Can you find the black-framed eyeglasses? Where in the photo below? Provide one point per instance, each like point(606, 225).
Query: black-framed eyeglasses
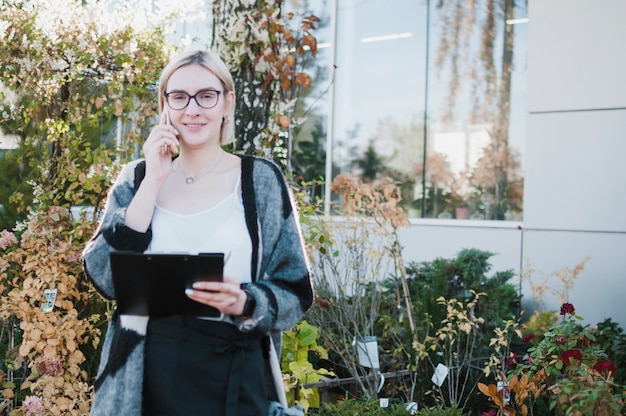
point(178, 100)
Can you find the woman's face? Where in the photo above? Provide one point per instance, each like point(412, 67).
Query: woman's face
point(196, 125)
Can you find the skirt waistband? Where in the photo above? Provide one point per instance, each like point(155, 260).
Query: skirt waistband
point(201, 331)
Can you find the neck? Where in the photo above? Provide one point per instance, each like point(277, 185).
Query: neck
point(197, 163)
point(202, 166)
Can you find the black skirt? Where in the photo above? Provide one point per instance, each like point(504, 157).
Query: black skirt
point(200, 367)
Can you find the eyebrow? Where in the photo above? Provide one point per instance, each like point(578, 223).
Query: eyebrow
point(197, 91)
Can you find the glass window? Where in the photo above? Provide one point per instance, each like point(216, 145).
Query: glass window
point(476, 111)
point(380, 89)
point(310, 142)
point(408, 70)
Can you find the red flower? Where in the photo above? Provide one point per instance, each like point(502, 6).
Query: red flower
point(560, 340)
point(604, 366)
point(567, 308)
point(567, 355)
point(511, 362)
point(529, 338)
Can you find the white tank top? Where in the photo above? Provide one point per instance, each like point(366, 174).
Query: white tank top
point(219, 229)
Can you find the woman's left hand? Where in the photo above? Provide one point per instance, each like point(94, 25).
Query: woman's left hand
point(227, 296)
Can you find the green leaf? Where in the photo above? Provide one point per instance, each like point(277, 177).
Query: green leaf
point(308, 335)
point(8, 385)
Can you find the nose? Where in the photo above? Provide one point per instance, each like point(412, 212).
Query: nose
point(193, 107)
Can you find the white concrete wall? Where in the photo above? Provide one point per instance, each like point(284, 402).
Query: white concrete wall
point(427, 240)
point(574, 202)
point(575, 161)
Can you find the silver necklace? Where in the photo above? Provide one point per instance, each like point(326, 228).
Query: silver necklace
point(189, 180)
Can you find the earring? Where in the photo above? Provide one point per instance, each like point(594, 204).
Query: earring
point(225, 119)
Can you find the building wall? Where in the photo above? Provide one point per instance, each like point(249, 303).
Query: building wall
point(575, 170)
point(575, 149)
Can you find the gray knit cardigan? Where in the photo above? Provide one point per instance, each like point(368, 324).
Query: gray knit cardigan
point(280, 284)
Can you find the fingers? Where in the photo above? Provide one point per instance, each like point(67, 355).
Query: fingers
point(225, 297)
point(160, 147)
point(218, 288)
point(165, 149)
point(163, 137)
point(162, 140)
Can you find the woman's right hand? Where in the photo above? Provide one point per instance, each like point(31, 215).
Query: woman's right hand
point(159, 147)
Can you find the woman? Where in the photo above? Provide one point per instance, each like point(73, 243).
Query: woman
point(203, 200)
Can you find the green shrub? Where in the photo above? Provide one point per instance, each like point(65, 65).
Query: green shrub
point(372, 408)
point(360, 407)
point(455, 279)
point(450, 279)
point(611, 338)
point(565, 368)
point(440, 411)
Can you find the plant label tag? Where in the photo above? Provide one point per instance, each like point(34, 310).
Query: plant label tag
point(441, 372)
point(50, 295)
point(412, 408)
point(367, 350)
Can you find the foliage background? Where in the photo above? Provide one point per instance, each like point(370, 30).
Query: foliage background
point(73, 83)
point(76, 76)
point(78, 84)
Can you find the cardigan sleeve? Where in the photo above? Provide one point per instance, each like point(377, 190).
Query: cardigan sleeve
point(112, 233)
point(283, 289)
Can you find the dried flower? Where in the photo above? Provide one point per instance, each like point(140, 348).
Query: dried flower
point(345, 184)
point(7, 238)
point(49, 366)
point(33, 406)
point(529, 338)
point(4, 264)
point(586, 341)
point(567, 308)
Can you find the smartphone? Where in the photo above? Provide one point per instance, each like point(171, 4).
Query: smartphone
point(168, 121)
point(167, 116)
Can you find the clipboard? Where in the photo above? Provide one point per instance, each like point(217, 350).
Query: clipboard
point(154, 284)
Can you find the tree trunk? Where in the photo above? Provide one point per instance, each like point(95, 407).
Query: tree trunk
point(254, 101)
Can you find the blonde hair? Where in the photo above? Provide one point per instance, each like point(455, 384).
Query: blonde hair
point(213, 63)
